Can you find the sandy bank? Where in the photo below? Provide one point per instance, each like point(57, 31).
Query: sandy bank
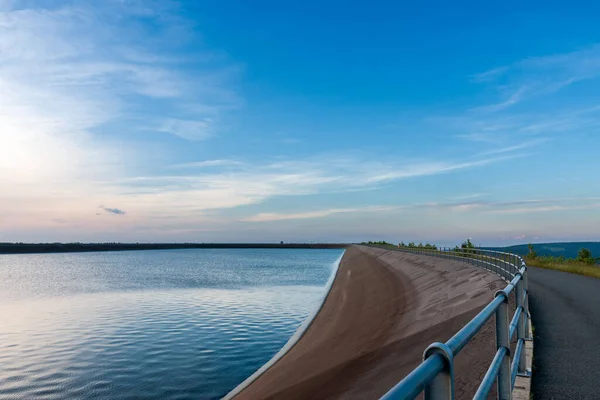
point(383, 309)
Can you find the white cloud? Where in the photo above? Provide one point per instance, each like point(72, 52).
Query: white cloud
point(265, 217)
point(190, 130)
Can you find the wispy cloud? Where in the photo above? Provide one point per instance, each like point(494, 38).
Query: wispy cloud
point(265, 217)
point(76, 79)
point(467, 196)
point(244, 184)
point(522, 206)
point(103, 102)
point(208, 163)
point(524, 210)
point(490, 207)
point(548, 208)
point(186, 129)
point(68, 70)
point(494, 134)
point(490, 75)
point(513, 98)
point(514, 148)
point(538, 76)
point(432, 168)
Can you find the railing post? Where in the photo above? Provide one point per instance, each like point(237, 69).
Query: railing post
point(503, 340)
point(496, 266)
point(522, 369)
point(528, 335)
point(513, 261)
point(442, 386)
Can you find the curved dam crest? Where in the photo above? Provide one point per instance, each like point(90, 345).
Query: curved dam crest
point(293, 340)
point(383, 309)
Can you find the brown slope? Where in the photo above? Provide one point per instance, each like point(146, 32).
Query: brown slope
point(383, 309)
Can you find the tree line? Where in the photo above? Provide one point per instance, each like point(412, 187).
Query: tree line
point(584, 256)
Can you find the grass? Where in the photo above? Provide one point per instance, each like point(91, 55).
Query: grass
point(572, 266)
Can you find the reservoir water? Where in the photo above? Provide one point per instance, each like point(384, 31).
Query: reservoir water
point(164, 324)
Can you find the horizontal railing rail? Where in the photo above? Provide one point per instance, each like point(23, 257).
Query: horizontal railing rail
point(435, 375)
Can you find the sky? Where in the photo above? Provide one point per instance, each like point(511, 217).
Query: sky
point(328, 121)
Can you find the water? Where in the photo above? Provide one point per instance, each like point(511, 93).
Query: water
point(165, 324)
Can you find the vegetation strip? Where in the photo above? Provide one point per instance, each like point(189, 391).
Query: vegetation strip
point(584, 264)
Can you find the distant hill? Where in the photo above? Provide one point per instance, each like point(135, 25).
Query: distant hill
point(567, 249)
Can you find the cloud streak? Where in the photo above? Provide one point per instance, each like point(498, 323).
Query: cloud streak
point(208, 163)
point(268, 217)
point(489, 207)
point(537, 76)
point(245, 184)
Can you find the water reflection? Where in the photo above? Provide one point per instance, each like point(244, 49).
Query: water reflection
point(160, 342)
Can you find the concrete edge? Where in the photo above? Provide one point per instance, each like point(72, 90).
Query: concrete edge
point(293, 340)
point(522, 390)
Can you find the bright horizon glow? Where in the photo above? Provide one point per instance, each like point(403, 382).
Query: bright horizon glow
point(164, 121)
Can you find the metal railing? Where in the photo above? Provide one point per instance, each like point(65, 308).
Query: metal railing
point(435, 375)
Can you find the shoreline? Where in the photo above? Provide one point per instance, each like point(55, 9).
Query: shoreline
point(383, 309)
point(41, 248)
point(293, 340)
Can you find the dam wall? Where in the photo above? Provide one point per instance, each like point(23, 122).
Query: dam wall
point(383, 309)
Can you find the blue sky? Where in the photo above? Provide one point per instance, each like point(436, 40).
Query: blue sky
point(299, 121)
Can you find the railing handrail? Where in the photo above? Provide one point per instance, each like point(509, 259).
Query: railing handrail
point(435, 375)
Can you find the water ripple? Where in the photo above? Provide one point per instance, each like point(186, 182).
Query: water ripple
point(154, 342)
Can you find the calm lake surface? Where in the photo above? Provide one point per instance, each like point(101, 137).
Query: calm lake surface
point(164, 324)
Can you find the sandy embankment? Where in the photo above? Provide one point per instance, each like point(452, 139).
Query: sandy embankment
point(384, 308)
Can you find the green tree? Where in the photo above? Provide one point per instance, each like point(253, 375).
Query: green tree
point(585, 256)
point(467, 245)
point(532, 253)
